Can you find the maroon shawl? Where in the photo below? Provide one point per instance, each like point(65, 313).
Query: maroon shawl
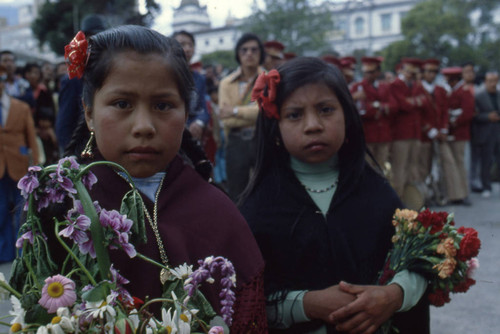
point(195, 220)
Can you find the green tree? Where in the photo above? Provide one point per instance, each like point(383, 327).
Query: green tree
point(223, 57)
point(454, 31)
point(58, 21)
point(301, 27)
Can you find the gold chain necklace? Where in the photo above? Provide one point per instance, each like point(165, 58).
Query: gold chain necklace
point(165, 272)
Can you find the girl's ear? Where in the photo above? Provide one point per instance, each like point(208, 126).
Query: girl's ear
point(88, 116)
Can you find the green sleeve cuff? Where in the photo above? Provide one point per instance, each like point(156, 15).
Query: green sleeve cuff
point(413, 286)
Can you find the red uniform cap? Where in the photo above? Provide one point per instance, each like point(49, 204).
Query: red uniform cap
point(432, 61)
point(196, 66)
point(348, 62)
point(412, 61)
point(331, 59)
point(371, 60)
point(274, 49)
point(456, 70)
point(289, 55)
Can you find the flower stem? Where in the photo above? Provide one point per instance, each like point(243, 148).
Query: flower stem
point(75, 258)
point(147, 259)
point(103, 261)
point(108, 163)
point(7, 287)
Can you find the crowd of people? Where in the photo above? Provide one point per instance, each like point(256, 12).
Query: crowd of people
point(315, 160)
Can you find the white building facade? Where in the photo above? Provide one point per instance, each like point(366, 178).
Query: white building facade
point(368, 25)
point(18, 37)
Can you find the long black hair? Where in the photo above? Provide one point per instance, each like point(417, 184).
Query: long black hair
point(293, 75)
point(104, 46)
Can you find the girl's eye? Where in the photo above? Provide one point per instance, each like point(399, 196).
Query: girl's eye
point(122, 104)
point(293, 115)
point(163, 106)
point(327, 110)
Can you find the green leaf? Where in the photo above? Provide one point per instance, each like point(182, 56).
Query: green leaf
point(18, 276)
point(198, 301)
point(132, 206)
point(29, 300)
point(100, 292)
point(37, 314)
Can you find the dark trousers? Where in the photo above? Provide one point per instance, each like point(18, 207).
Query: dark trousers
point(240, 159)
point(10, 212)
point(486, 151)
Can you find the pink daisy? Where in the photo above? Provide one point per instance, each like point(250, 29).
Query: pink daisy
point(58, 291)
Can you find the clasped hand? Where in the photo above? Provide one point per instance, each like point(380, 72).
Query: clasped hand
point(354, 308)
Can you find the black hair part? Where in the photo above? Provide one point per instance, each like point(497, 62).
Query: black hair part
point(295, 74)
point(246, 38)
point(185, 33)
point(104, 46)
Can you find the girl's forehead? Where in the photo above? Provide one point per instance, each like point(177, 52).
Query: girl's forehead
point(311, 90)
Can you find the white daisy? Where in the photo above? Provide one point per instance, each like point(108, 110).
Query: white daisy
point(182, 272)
point(102, 308)
point(18, 313)
point(168, 321)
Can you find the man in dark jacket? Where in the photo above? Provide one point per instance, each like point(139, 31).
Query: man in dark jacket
point(487, 127)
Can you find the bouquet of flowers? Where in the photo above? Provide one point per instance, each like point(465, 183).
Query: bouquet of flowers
point(429, 244)
point(85, 293)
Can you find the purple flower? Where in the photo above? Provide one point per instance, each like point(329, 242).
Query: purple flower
point(28, 183)
point(26, 236)
point(55, 193)
point(87, 247)
point(204, 273)
point(89, 180)
point(58, 291)
point(120, 281)
point(120, 225)
point(72, 163)
point(76, 229)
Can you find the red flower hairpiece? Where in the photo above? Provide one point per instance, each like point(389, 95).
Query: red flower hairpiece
point(76, 56)
point(264, 92)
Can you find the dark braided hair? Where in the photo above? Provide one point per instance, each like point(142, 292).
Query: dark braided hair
point(103, 47)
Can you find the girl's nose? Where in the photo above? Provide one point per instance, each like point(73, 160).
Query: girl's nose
point(312, 121)
point(143, 122)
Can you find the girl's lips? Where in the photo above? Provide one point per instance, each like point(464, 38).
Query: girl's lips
point(143, 149)
point(143, 153)
point(315, 146)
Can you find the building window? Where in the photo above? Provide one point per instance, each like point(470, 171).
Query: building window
point(402, 15)
point(207, 42)
point(386, 20)
point(221, 40)
point(359, 26)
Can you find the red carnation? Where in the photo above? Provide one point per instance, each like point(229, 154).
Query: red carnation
point(469, 245)
point(435, 220)
point(439, 298)
point(464, 285)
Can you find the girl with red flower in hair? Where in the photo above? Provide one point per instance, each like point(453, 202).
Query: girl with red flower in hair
point(137, 91)
point(320, 214)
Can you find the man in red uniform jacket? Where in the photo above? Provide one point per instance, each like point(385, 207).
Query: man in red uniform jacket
point(434, 118)
point(406, 126)
point(461, 111)
point(376, 106)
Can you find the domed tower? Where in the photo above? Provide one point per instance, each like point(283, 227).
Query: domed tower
point(190, 16)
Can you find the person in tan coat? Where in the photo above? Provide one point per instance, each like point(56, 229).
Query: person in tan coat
point(18, 148)
point(239, 114)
